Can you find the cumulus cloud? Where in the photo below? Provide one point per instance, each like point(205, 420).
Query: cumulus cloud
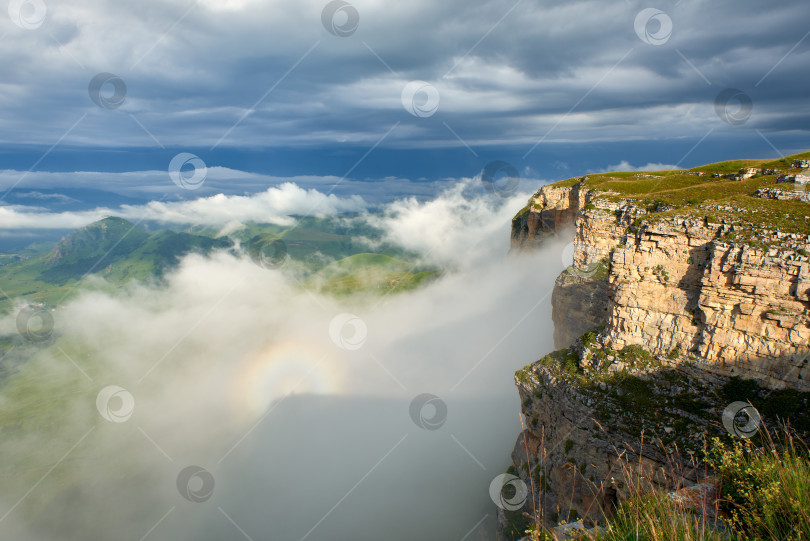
point(452, 229)
point(235, 369)
point(275, 205)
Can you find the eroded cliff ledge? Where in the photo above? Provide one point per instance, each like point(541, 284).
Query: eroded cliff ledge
point(689, 290)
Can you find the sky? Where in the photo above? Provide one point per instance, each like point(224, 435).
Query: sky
point(423, 92)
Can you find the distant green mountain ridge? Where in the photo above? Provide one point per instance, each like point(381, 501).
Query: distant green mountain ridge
point(112, 247)
point(331, 253)
point(121, 250)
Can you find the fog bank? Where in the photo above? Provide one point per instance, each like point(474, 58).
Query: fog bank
point(305, 416)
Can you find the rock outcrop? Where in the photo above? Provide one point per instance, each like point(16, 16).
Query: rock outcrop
point(550, 210)
point(660, 316)
point(678, 282)
point(579, 304)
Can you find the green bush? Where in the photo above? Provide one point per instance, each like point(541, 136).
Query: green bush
point(517, 523)
point(740, 389)
point(765, 496)
point(568, 445)
point(766, 491)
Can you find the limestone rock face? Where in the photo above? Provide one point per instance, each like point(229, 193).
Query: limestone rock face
point(742, 310)
point(699, 304)
point(549, 211)
point(678, 283)
point(589, 444)
point(578, 304)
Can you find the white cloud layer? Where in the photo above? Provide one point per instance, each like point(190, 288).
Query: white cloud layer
point(452, 229)
point(227, 196)
point(232, 368)
point(275, 205)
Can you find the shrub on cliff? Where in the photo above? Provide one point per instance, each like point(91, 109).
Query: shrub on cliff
point(764, 495)
point(766, 491)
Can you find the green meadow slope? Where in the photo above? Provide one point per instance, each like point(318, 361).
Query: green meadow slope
point(707, 192)
point(331, 256)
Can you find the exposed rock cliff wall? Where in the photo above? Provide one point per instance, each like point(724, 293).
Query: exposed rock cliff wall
point(550, 211)
point(677, 283)
point(583, 450)
point(655, 320)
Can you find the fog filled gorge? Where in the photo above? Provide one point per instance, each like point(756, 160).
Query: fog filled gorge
point(305, 415)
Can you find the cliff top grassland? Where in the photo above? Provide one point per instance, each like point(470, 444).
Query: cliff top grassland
point(711, 192)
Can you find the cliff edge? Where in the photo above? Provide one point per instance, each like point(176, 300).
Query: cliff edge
point(689, 290)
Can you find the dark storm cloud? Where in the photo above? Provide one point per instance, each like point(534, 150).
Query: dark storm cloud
point(507, 73)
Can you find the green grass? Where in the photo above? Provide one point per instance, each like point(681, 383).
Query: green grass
point(360, 262)
point(730, 166)
point(369, 273)
point(765, 496)
point(654, 517)
point(112, 248)
point(23, 280)
point(48, 408)
point(785, 162)
point(39, 397)
point(677, 193)
point(765, 483)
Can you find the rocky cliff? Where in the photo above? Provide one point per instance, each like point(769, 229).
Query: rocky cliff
point(688, 290)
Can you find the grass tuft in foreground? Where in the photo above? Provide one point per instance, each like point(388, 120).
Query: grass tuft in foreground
point(764, 495)
point(655, 517)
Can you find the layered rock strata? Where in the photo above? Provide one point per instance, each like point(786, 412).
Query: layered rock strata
point(678, 283)
point(659, 317)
